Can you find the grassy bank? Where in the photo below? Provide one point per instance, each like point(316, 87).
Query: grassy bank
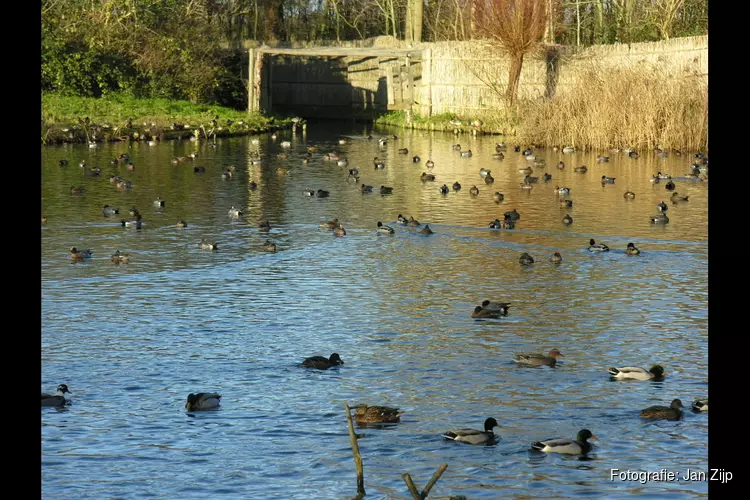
point(63, 119)
point(492, 123)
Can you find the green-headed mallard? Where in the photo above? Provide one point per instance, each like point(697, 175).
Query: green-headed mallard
point(556, 258)
point(321, 363)
point(579, 446)
point(500, 307)
point(562, 191)
point(416, 159)
point(137, 223)
point(600, 247)
point(632, 250)
point(659, 218)
point(444, 189)
point(700, 405)
point(671, 412)
point(662, 207)
point(365, 414)
point(58, 398)
point(202, 401)
point(383, 229)
point(109, 211)
point(402, 220)
point(473, 436)
point(533, 359)
point(636, 373)
point(386, 190)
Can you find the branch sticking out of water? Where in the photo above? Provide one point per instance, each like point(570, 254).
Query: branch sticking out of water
point(413, 489)
point(357, 457)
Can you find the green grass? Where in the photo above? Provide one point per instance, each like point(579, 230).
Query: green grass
point(497, 122)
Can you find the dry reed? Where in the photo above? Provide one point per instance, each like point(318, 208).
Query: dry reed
point(639, 106)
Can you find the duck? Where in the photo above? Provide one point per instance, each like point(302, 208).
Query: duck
point(662, 207)
point(58, 398)
point(466, 154)
point(634, 155)
point(632, 250)
point(547, 177)
point(109, 211)
point(365, 188)
point(527, 152)
point(663, 176)
point(354, 172)
point(269, 246)
point(496, 224)
point(556, 258)
point(579, 446)
point(202, 401)
point(473, 436)
point(500, 146)
point(498, 196)
point(484, 172)
point(501, 307)
point(206, 245)
point(526, 259)
point(386, 190)
point(137, 223)
point(403, 151)
point(474, 191)
point(199, 170)
point(331, 224)
point(676, 198)
point(629, 195)
point(562, 191)
point(636, 373)
point(309, 192)
point(567, 220)
point(365, 414)
point(607, 180)
point(402, 220)
point(568, 149)
point(594, 247)
point(654, 180)
point(133, 211)
point(416, 159)
point(93, 172)
point(538, 359)
point(44, 220)
point(130, 166)
point(671, 412)
point(158, 202)
point(429, 164)
point(426, 230)
point(456, 147)
point(252, 185)
point(481, 312)
point(383, 142)
point(182, 224)
point(561, 165)
point(602, 159)
point(76, 190)
point(456, 186)
point(512, 215)
point(63, 163)
point(526, 170)
point(264, 227)
point(425, 177)
point(343, 162)
point(498, 156)
point(669, 186)
point(412, 222)
point(314, 148)
point(120, 258)
point(444, 189)
point(320, 193)
point(660, 218)
point(530, 180)
point(700, 405)
point(227, 175)
point(488, 179)
point(80, 254)
point(235, 213)
point(122, 184)
point(581, 170)
point(114, 179)
point(383, 229)
point(321, 363)
point(339, 231)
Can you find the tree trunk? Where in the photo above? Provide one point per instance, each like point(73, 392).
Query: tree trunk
point(514, 76)
point(409, 28)
point(417, 20)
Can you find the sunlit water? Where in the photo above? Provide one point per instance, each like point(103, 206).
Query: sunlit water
point(131, 341)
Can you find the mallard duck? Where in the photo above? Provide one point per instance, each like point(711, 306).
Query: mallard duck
point(594, 247)
point(660, 218)
point(562, 191)
point(114, 179)
point(512, 215)
point(663, 176)
point(671, 412)
point(199, 170)
point(206, 245)
point(580, 446)
point(527, 152)
point(202, 401)
point(235, 213)
point(365, 414)
point(416, 159)
point(607, 180)
point(354, 172)
point(182, 223)
point(122, 185)
point(63, 163)
point(473, 436)
point(530, 180)
point(634, 155)
point(501, 307)
point(403, 151)
point(426, 230)
point(632, 250)
point(158, 202)
point(333, 156)
point(539, 359)
point(109, 211)
point(425, 177)
point(547, 177)
point(130, 166)
point(581, 170)
point(526, 170)
point(76, 190)
point(252, 185)
point(320, 193)
point(567, 220)
point(635, 373)
point(498, 197)
point(677, 198)
point(700, 405)
point(669, 186)
point(629, 195)
point(56, 399)
point(496, 224)
point(137, 223)
point(321, 363)
point(456, 186)
point(602, 159)
point(456, 147)
point(488, 179)
point(386, 190)
point(466, 154)
point(133, 211)
point(314, 148)
point(82, 164)
point(120, 258)
point(402, 220)
point(498, 156)
point(93, 172)
point(556, 258)
point(561, 165)
point(500, 146)
point(80, 254)
point(444, 189)
point(412, 222)
point(568, 149)
point(662, 207)
point(269, 246)
point(429, 164)
point(339, 231)
point(383, 229)
point(484, 172)
point(264, 227)
point(343, 162)
point(309, 192)
point(480, 312)
point(331, 224)
point(526, 259)
point(365, 188)
point(474, 191)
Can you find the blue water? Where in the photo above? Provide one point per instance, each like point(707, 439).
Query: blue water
point(132, 340)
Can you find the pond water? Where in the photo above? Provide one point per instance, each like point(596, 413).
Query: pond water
point(132, 340)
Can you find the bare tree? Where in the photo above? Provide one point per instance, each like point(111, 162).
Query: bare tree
point(666, 12)
point(518, 25)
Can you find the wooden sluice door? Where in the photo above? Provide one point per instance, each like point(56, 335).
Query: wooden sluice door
point(400, 86)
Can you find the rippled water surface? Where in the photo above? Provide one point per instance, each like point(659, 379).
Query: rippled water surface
point(131, 341)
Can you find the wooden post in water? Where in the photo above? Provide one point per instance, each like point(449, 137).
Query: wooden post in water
point(413, 489)
point(357, 457)
point(251, 81)
point(427, 80)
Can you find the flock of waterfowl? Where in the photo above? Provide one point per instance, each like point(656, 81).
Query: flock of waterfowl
point(486, 310)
